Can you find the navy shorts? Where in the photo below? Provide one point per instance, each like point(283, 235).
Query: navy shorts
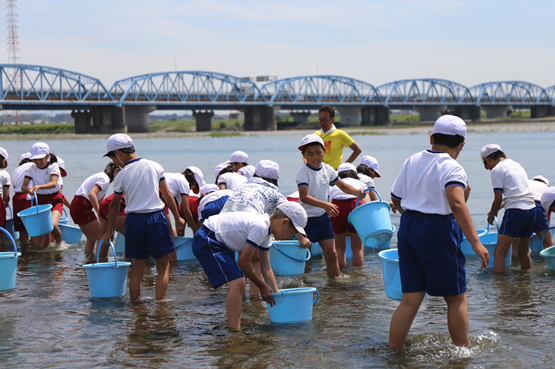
point(430, 256)
point(213, 208)
point(319, 228)
point(541, 224)
point(147, 234)
point(518, 223)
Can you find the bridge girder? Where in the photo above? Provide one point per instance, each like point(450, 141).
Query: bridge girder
point(429, 91)
point(509, 92)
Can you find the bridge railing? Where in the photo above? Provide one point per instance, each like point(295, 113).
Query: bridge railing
point(510, 92)
point(425, 91)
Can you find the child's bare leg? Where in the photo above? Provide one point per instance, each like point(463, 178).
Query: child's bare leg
point(457, 318)
point(45, 240)
point(340, 248)
point(503, 244)
point(403, 317)
point(56, 233)
point(233, 302)
point(356, 246)
point(547, 240)
point(255, 262)
point(328, 249)
point(93, 233)
point(120, 224)
point(136, 281)
point(515, 249)
point(163, 277)
point(524, 253)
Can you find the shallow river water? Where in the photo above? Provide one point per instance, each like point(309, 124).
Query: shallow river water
point(49, 320)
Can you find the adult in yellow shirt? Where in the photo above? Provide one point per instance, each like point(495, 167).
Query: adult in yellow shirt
point(335, 139)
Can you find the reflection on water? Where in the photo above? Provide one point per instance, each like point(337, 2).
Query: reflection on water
point(50, 319)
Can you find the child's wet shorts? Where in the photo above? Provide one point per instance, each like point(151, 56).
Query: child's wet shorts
point(430, 256)
point(319, 228)
point(20, 203)
point(147, 234)
point(54, 199)
point(81, 211)
point(541, 224)
point(518, 223)
point(340, 223)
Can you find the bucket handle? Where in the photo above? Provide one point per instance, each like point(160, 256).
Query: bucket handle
point(11, 239)
point(544, 233)
point(496, 225)
point(11, 212)
point(317, 297)
point(292, 258)
point(36, 201)
point(65, 212)
point(370, 189)
point(113, 251)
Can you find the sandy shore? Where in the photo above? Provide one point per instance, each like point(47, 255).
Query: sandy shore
point(536, 125)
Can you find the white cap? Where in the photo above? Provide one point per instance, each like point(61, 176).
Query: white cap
point(267, 169)
point(199, 177)
point(296, 213)
point(117, 142)
point(62, 165)
point(4, 153)
point(489, 149)
point(371, 163)
point(450, 125)
point(308, 139)
point(345, 167)
point(219, 168)
point(27, 155)
point(548, 197)
point(207, 188)
point(39, 150)
point(541, 179)
point(239, 157)
point(247, 171)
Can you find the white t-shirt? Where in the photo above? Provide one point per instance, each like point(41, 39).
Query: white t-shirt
point(100, 180)
point(178, 186)
point(19, 176)
point(337, 194)
point(4, 179)
point(207, 199)
point(367, 180)
point(511, 179)
point(232, 180)
point(237, 229)
point(140, 180)
point(421, 184)
point(318, 181)
point(537, 188)
point(44, 176)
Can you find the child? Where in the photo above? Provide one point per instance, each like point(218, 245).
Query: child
point(62, 165)
point(429, 193)
point(215, 244)
point(238, 161)
point(103, 211)
point(368, 170)
point(228, 179)
point(212, 201)
point(20, 201)
point(180, 190)
point(146, 227)
point(548, 201)
point(313, 181)
point(511, 188)
point(196, 180)
point(45, 178)
point(87, 197)
point(5, 184)
point(345, 204)
point(538, 185)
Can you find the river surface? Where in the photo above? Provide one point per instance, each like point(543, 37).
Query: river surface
point(49, 320)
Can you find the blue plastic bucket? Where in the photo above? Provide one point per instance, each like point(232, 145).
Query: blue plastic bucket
point(184, 248)
point(549, 256)
point(489, 240)
point(63, 220)
point(536, 244)
point(372, 222)
point(37, 219)
point(383, 245)
point(293, 305)
point(466, 247)
point(107, 280)
point(315, 249)
point(120, 244)
point(391, 274)
point(288, 258)
point(9, 226)
point(70, 233)
point(8, 265)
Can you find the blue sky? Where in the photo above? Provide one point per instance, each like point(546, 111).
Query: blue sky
point(469, 42)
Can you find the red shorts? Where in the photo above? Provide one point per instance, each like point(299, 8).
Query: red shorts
point(54, 199)
point(105, 204)
point(20, 203)
point(81, 211)
point(193, 206)
point(340, 223)
point(295, 199)
point(2, 213)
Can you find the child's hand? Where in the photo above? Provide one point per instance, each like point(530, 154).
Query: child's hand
point(303, 241)
point(482, 253)
point(266, 294)
point(393, 208)
point(361, 195)
point(491, 217)
point(35, 189)
point(179, 223)
point(331, 209)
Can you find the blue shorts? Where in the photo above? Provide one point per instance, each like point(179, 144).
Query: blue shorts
point(147, 234)
point(430, 256)
point(518, 223)
point(213, 208)
point(319, 228)
point(217, 260)
point(541, 224)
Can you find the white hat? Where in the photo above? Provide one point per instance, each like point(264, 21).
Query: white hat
point(296, 213)
point(207, 188)
point(541, 179)
point(27, 155)
point(371, 163)
point(4, 153)
point(62, 165)
point(345, 167)
point(548, 197)
point(199, 177)
point(117, 142)
point(247, 171)
point(450, 125)
point(219, 168)
point(39, 150)
point(311, 138)
point(489, 149)
point(239, 157)
point(267, 169)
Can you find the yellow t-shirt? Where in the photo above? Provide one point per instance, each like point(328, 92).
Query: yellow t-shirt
point(334, 142)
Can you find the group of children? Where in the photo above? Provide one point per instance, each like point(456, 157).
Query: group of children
point(243, 210)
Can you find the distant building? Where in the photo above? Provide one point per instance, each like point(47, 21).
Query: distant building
point(236, 115)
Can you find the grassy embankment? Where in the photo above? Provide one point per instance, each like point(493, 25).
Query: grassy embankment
point(220, 127)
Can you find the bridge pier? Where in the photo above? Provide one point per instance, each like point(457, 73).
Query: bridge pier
point(137, 118)
point(83, 121)
point(375, 116)
point(100, 119)
point(473, 113)
point(430, 113)
point(259, 118)
point(497, 111)
point(300, 116)
point(542, 111)
point(350, 115)
point(203, 120)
